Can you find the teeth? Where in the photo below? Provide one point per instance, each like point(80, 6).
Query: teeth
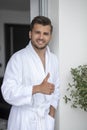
point(40, 41)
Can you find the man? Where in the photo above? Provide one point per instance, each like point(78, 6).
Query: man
point(31, 81)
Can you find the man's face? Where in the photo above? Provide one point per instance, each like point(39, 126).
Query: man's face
point(40, 36)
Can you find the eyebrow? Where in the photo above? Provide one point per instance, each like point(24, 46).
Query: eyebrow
point(46, 33)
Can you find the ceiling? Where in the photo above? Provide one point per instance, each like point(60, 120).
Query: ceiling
point(15, 5)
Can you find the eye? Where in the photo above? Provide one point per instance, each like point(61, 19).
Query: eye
point(46, 33)
point(37, 32)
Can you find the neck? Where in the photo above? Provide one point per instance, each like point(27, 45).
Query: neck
point(41, 54)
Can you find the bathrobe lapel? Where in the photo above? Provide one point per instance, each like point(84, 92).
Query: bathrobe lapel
point(37, 64)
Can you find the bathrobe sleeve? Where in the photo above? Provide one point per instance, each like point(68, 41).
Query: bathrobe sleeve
point(56, 94)
point(13, 90)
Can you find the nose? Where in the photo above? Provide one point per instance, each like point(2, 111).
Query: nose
point(41, 36)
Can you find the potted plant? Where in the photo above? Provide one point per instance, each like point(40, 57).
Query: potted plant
point(77, 90)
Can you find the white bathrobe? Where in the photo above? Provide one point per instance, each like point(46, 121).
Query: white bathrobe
point(23, 71)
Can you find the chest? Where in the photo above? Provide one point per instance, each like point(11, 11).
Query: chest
point(33, 71)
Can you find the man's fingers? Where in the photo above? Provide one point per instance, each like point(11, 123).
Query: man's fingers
point(47, 77)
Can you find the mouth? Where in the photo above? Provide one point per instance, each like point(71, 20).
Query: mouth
point(40, 42)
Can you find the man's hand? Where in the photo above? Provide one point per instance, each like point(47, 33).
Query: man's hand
point(52, 111)
point(45, 87)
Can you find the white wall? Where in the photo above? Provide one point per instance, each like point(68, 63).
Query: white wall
point(72, 52)
point(9, 17)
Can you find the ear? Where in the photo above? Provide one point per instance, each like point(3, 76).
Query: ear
point(30, 34)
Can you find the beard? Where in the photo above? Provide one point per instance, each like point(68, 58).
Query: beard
point(39, 47)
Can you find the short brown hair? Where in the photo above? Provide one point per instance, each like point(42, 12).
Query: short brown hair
point(41, 20)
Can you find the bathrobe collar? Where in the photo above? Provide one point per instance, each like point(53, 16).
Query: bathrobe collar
point(38, 60)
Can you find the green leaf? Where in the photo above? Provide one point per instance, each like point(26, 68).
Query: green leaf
point(77, 89)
